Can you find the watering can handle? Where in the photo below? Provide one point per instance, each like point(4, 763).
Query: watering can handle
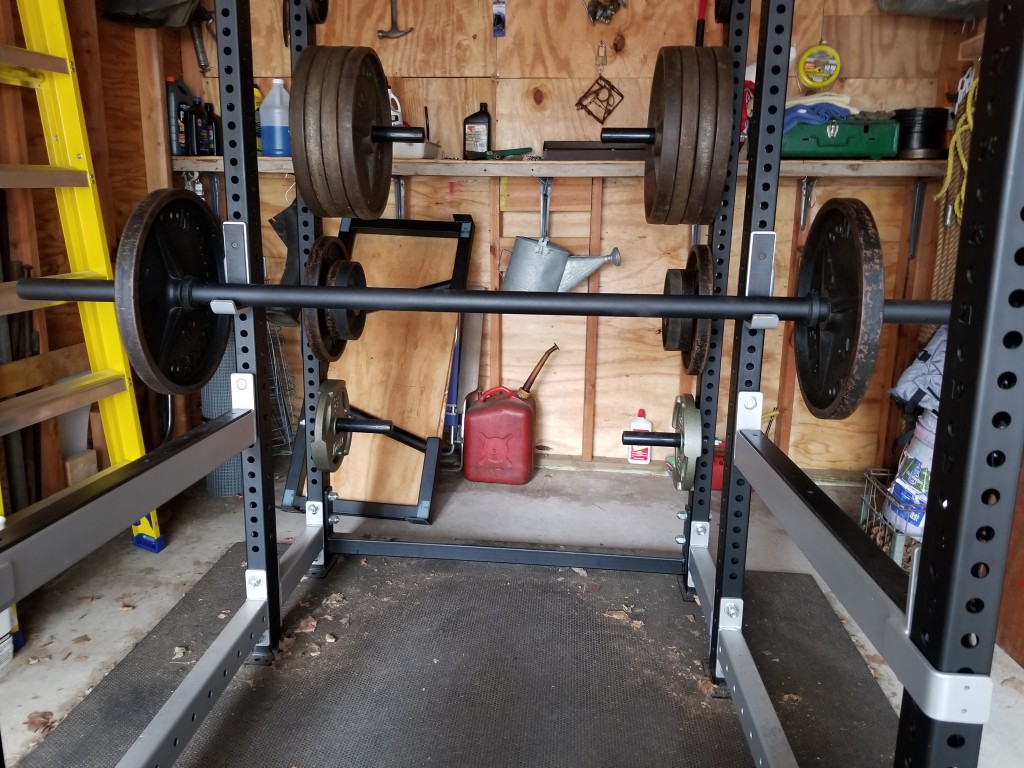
point(495, 390)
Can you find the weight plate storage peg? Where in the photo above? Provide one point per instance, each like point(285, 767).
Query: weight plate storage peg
point(842, 264)
point(170, 239)
point(686, 422)
point(330, 445)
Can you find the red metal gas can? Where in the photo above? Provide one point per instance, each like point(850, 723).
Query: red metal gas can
point(498, 442)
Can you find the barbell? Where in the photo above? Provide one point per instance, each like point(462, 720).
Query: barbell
point(173, 305)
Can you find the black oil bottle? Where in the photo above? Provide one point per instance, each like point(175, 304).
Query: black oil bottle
point(476, 134)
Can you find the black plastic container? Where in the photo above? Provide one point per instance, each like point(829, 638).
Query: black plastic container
point(922, 132)
point(476, 135)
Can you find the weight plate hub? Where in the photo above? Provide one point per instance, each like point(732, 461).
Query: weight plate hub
point(691, 114)
point(339, 94)
point(686, 422)
point(170, 238)
point(329, 445)
point(842, 264)
point(327, 330)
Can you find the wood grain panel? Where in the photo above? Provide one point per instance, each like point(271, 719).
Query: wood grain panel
point(532, 111)
point(558, 390)
point(1010, 635)
point(567, 224)
point(868, 45)
point(875, 94)
point(520, 194)
point(449, 101)
point(397, 370)
point(450, 38)
point(546, 39)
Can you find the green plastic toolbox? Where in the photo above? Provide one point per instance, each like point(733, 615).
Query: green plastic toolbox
point(872, 139)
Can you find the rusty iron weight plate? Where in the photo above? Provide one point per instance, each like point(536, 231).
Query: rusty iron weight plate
point(324, 344)
point(674, 330)
point(663, 117)
point(688, 135)
point(842, 264)
point(363, 104)
point(706, 129)
point(723, 9)
point(319, 164)
point(304, 127)
point(171, 236)
point(330, 141)
point(723, 136)
point(700, 267)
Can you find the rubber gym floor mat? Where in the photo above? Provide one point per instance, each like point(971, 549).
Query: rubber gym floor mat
point(398, 662)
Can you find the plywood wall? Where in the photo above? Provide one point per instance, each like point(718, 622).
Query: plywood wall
point(531, 79)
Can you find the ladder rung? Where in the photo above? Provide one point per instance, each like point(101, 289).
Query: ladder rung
point(25, 410)
point(41, 177)
point(22, 67)
point(10, 304)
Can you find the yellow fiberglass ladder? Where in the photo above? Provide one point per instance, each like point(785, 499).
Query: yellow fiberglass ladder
point(46, 64)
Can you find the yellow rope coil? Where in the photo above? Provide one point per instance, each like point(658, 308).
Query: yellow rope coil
point(958, 146)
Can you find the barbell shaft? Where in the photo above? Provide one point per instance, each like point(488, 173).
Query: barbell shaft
point(803, 310)
point(364, 426)
point(653, 439)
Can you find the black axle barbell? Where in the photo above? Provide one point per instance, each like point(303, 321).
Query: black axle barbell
point(811, 309)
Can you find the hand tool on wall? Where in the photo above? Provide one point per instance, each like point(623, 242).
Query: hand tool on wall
point(195, 28)
point(394, 31)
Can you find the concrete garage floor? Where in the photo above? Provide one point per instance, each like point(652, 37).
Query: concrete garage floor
point(80, 625)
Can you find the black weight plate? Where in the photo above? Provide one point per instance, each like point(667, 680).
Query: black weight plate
point(842, 264)
point(700, 267)
point(316, 11)
point(322, 165)
point(688, 134)
point(330, 142)
point(346, 324)
point(706, 130)
point(723, 136)
point(663, 116)
point(172, 236)
point(324, 344)
point(362, 104)
point(723, 9)
point(304, 128)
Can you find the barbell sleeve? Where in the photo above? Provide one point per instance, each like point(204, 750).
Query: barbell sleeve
point(380, 133)
point(652, 439)
point(627, 136)
point(798, 309)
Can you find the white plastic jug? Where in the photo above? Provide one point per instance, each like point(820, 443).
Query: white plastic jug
point(639, 454)
point(905, 510)
point(274, 122)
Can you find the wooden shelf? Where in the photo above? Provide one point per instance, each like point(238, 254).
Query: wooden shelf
point(604, 168)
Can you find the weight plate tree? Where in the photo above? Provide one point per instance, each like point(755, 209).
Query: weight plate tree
point(170, 237)
point(842, 263)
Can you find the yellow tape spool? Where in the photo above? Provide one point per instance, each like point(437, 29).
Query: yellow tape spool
point(818, 67)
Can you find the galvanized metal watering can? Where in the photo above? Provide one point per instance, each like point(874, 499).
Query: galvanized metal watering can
point(540, 265)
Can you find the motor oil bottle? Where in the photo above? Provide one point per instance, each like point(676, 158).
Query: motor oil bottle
point(257, 97)
point(178, 101)
point(195, 125)
point(499, 427)
point(476, 131)
point(213, 130)
point(274, 122)
point(639, 454)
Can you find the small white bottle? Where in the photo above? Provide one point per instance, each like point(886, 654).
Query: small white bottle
point(273, 113)
point(639, 454)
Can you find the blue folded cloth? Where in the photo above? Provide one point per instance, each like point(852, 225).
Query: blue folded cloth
point(814, 114)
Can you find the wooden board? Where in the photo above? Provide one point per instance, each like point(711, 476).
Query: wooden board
point(866, 45)
point(398, 370)
point(546, 39)
point(1010, 636)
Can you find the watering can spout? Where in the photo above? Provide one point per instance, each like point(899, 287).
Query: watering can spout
point(579, 268)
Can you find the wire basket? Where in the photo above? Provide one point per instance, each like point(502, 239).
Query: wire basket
point(896, 544)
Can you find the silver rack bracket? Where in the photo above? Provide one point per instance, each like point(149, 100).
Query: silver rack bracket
point(236, 252)
point(949, 697)
point(748, 415)
point(243, 392)
point(255, 584)
point(223, 307)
